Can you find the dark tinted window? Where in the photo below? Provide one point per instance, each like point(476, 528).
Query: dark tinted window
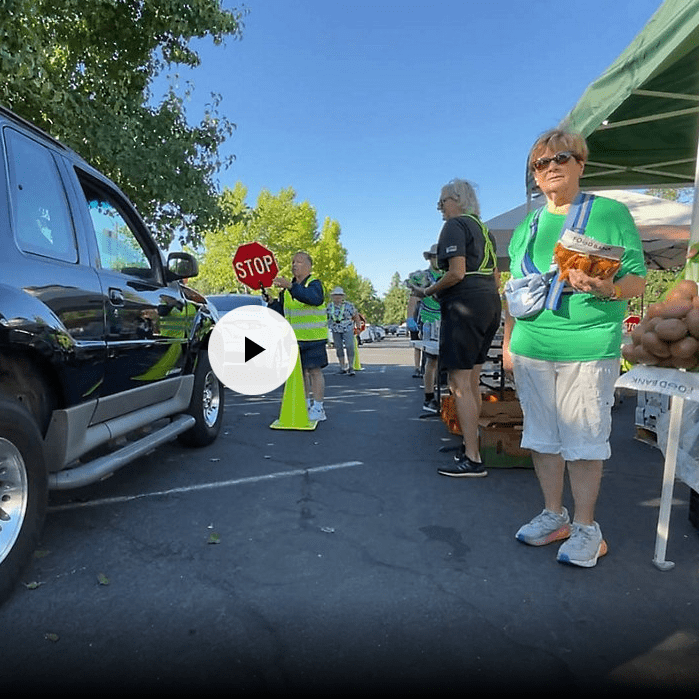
point(41, 219)
point(119, 247)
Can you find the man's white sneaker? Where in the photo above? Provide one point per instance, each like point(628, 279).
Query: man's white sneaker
point(317, 413)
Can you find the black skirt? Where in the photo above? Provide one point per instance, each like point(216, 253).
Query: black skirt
point(469, 323)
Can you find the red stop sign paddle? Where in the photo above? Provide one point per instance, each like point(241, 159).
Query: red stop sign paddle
point(630, 322)
point(255, 266)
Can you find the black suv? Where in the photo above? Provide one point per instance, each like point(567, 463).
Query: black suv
point(103, 349)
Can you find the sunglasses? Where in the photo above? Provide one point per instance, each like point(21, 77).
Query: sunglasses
point(560, 159)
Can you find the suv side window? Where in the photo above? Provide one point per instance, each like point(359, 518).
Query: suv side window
point(119, 248)
point(42, 222)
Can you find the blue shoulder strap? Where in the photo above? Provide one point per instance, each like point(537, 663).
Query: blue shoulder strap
point(576, 220)
point(528, 266)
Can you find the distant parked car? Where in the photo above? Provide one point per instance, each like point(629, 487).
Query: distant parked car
point(372, 333)
point(227, 302)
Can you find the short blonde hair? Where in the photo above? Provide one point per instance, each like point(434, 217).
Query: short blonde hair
point(558, 140)
point(464, 194)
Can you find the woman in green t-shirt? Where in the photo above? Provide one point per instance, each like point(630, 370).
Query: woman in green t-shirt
point(565, 361)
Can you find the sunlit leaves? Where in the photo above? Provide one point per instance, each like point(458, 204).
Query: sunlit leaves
point(285, 226)
point(84, 72)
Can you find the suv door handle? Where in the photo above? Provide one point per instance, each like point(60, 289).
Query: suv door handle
point(116, 297)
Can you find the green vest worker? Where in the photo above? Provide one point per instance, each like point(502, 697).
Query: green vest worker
point(302, 304)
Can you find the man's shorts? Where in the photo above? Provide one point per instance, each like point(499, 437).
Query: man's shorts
point(567, 406)
point(313, 354)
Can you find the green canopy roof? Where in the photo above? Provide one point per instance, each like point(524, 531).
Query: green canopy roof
point(641, 116)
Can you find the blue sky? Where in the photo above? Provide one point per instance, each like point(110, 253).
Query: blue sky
point(367, 108)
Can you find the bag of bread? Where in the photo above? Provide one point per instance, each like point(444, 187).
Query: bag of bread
point(577, 251)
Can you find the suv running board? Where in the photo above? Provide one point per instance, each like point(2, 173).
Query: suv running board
point(106, 465)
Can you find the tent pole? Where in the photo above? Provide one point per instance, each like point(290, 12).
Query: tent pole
point(673, 438)
point(692, 270)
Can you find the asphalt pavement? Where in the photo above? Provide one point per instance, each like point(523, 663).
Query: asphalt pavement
point(279, 561)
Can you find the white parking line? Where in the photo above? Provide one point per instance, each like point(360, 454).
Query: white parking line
point(204, 486)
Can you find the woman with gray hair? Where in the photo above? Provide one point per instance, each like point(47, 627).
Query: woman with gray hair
point(470, 309)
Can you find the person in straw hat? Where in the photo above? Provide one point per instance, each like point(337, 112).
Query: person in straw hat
point(342, 318)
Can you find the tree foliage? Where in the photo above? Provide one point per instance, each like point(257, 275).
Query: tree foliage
point(285, 226)
point(396, 302)
point(683, 195)
point(84, 72)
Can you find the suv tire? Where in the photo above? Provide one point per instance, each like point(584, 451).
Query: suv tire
point(206, 405)
point(23, 491)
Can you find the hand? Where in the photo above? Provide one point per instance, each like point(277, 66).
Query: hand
point(507, 361)
point(601, 288)
point(411, 324)
point(417, 291)
point(281, 282)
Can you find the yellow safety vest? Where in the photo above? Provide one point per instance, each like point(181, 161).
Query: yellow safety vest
point(308, 322)
point(490, 259)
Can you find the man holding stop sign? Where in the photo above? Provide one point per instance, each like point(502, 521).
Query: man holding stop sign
point(302, 303)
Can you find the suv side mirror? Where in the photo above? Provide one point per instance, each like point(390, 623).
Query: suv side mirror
point(181, 265)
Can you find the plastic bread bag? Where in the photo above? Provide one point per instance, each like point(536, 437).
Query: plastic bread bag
point(596, 259)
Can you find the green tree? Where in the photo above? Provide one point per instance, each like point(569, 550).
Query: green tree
point(277, 222)
point(658, 283)
point(84, 72)
point(330, 263)
point(360, 291)
point(684, 195)
point(395, 302)
point(330, 259)
point(215, 268)
point(284, 226)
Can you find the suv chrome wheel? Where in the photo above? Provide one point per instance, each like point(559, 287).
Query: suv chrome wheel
point(13, 495)
point(206, 405)
point(23, 491)
point(211, 399)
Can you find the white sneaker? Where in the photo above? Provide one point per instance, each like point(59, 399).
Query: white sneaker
point(545, 528)
point(584, 547)
point(316, 413)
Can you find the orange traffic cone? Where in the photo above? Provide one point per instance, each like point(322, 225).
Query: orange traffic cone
point(294, 413)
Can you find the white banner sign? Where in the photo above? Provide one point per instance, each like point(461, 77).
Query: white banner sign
point(671, 382)
point(682, 384)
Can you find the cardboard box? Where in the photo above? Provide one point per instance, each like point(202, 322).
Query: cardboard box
point(509, 406)
point(500, 446)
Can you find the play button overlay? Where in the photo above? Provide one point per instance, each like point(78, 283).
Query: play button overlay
point(253, 350)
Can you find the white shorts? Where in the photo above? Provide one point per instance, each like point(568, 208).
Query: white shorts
point(567, 406)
